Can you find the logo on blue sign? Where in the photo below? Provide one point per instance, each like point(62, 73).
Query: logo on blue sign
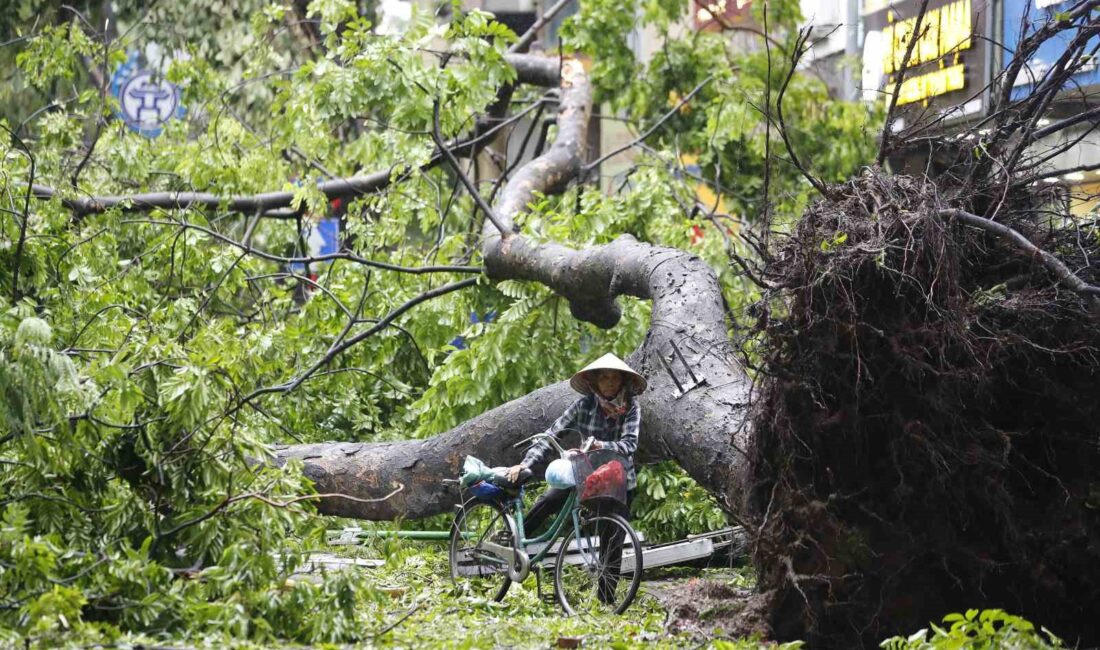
point(146, 100)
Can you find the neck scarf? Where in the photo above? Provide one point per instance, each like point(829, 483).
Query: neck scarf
point(613, 407)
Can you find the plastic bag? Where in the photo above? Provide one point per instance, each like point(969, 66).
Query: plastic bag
point(486, 491)
point(473, 470)
point(608, 480)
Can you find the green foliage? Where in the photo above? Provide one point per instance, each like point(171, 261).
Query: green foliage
point(987, 629)
point(723, 125)
point(670, 505)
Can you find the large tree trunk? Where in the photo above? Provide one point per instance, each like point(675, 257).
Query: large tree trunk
point(705, 430)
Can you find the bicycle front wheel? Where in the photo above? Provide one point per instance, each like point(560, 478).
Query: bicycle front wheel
point(599, 566)
point(479, 533)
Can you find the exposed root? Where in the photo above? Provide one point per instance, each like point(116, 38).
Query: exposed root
point(928, 432)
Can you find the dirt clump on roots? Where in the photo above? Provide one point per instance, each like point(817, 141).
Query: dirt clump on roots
point(711, 607)
point(928, 420)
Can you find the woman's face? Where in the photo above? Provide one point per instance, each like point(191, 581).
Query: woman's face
point(609, 382)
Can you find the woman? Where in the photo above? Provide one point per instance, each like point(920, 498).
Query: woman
point(607, 412)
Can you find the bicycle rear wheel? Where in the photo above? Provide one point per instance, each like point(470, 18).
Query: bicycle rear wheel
point(479, 531)
point(591, 577)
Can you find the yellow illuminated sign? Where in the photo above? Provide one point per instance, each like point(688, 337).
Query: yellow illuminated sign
point(944, 32)
point(930, 84)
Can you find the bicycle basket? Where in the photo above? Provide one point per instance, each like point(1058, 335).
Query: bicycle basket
point(601, 476)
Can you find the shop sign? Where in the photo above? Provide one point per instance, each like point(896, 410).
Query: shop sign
point(1031, 15)
point(946, 65)
point(944, 34)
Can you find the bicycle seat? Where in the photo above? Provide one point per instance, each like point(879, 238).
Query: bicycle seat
point(501, 481)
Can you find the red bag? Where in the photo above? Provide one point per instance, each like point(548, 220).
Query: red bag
point(607, 480)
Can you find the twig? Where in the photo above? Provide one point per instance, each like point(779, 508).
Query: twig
point(380, 325)
point(1089, 115)
point(415, 608)
point(312, 259)
point(230, 500)
point(648, 132)
point(466, 182)
point(308, 497)
point(18, 260)
point(533, 30)
point(1056, 172)
point(728, 27)
point(914, 36)
point(102, 101)
point(800, 42)
point(766, 189)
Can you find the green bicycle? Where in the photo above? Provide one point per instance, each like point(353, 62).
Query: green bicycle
point(598, 559)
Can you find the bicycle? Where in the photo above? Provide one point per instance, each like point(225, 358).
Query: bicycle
point(489, 550)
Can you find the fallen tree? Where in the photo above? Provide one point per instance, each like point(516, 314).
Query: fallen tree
point(704, 431)
point(919, 441)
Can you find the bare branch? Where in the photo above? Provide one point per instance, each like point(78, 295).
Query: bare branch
point(1055, 265)
point(1084, 116)
point(313, 259)
point(18, 260)
point(651, 130)
point(333, 352)
point(311, 497)
point(799, 45)
point(466, 182)
point(533, 31)
point(913, 38)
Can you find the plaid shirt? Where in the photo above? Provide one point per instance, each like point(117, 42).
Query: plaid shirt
point(619, 434)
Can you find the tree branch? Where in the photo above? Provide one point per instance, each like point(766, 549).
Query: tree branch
point(530, 70)
point(533, 31)
point(800, 42)
point(1053, 264)
point(466, 182)
point(883, 146)
point(333, 352)
point(312, 259)
point(651, 130)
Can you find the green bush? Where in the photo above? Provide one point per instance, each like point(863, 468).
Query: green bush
point(977, 630)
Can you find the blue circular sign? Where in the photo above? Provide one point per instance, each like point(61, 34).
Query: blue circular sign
point(146, 100)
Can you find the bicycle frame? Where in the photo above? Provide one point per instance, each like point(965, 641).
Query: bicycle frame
point(568, 511)
point(513, 508)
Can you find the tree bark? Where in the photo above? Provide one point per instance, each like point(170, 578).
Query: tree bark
point(705, 430)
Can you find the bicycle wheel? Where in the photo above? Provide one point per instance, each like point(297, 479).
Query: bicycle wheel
point(480, 528)
point(592, 579)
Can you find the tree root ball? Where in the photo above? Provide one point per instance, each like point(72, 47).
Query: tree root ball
point(928, 421)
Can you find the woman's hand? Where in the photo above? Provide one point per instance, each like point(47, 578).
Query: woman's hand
point(513, 472)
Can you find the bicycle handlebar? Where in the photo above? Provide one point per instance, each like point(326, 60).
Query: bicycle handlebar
point(586, 444)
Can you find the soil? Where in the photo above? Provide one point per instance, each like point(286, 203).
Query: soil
point(719, 605)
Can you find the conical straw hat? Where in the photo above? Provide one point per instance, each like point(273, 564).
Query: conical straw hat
point(608, 362)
